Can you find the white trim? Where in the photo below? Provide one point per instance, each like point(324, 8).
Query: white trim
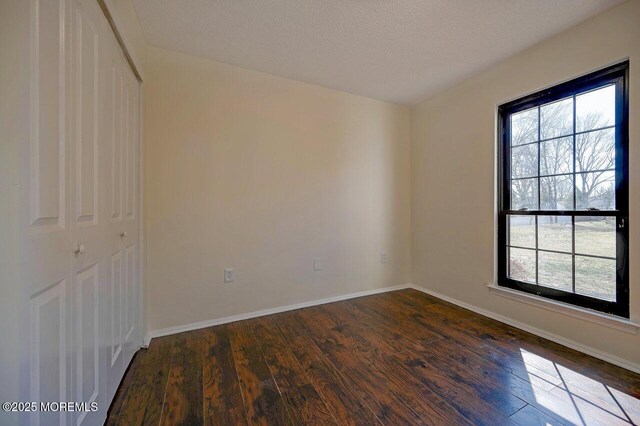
point(142, 259)
point(629, 365)
point(613, 359)
point(121, 35)
point(233, 318)
point(611, 321)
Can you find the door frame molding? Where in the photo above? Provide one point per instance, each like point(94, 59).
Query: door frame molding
point(142, 258)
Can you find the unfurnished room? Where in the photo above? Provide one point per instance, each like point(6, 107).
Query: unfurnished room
point(328, 212)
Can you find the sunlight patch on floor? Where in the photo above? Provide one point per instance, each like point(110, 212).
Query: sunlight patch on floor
point(576, 398)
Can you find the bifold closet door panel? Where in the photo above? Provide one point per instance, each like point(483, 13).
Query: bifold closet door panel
point(131, 219)
point(89, 33)
point(117, 117)
point(46, 241)
point(122, 221)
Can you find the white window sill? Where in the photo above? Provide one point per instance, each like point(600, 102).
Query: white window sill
point(611, 321)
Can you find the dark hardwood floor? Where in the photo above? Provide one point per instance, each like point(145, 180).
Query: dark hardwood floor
point(394, 358)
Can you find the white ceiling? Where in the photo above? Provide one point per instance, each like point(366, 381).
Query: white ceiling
point(395, 50)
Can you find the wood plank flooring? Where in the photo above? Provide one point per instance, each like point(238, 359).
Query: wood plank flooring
point(394, 358)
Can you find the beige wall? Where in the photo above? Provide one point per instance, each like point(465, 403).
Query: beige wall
point(453, 184)
point(263, 174)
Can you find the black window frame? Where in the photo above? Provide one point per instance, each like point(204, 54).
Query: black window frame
point(619, 75)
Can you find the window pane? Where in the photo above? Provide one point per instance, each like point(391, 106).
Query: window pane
point(524, 194)
point(524, 161)
point(555, 270)
point(596, 236)
point(596, 109)
point(522, 231)
point(595, 190)
point(556, 193)
point(524, 127)
point(556, 119)
point(596, 277)
point(554, 233)
point(596, 150)
point(522, 265)
point(556, 156)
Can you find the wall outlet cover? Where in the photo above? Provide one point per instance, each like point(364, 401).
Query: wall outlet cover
point(228, 275)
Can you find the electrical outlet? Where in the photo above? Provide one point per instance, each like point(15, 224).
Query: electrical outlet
point(383, 257)
point(317, 264)
point(228, 275)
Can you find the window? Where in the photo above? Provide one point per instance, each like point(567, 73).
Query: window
point(563, 192)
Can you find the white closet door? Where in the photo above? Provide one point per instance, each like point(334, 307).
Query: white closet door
point(79, 257)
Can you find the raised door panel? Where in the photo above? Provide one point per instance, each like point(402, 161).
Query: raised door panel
point(115, 308)
point(126, 140)
point(48, 353)
point(130, 293)
point(132, 144)
point(87, 338)
point(116, 113)
point(86, 98)
point(47, 155)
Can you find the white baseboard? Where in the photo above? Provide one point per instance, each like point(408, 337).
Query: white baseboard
point(233, 318)
point(620, 362)
point(629, 365)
